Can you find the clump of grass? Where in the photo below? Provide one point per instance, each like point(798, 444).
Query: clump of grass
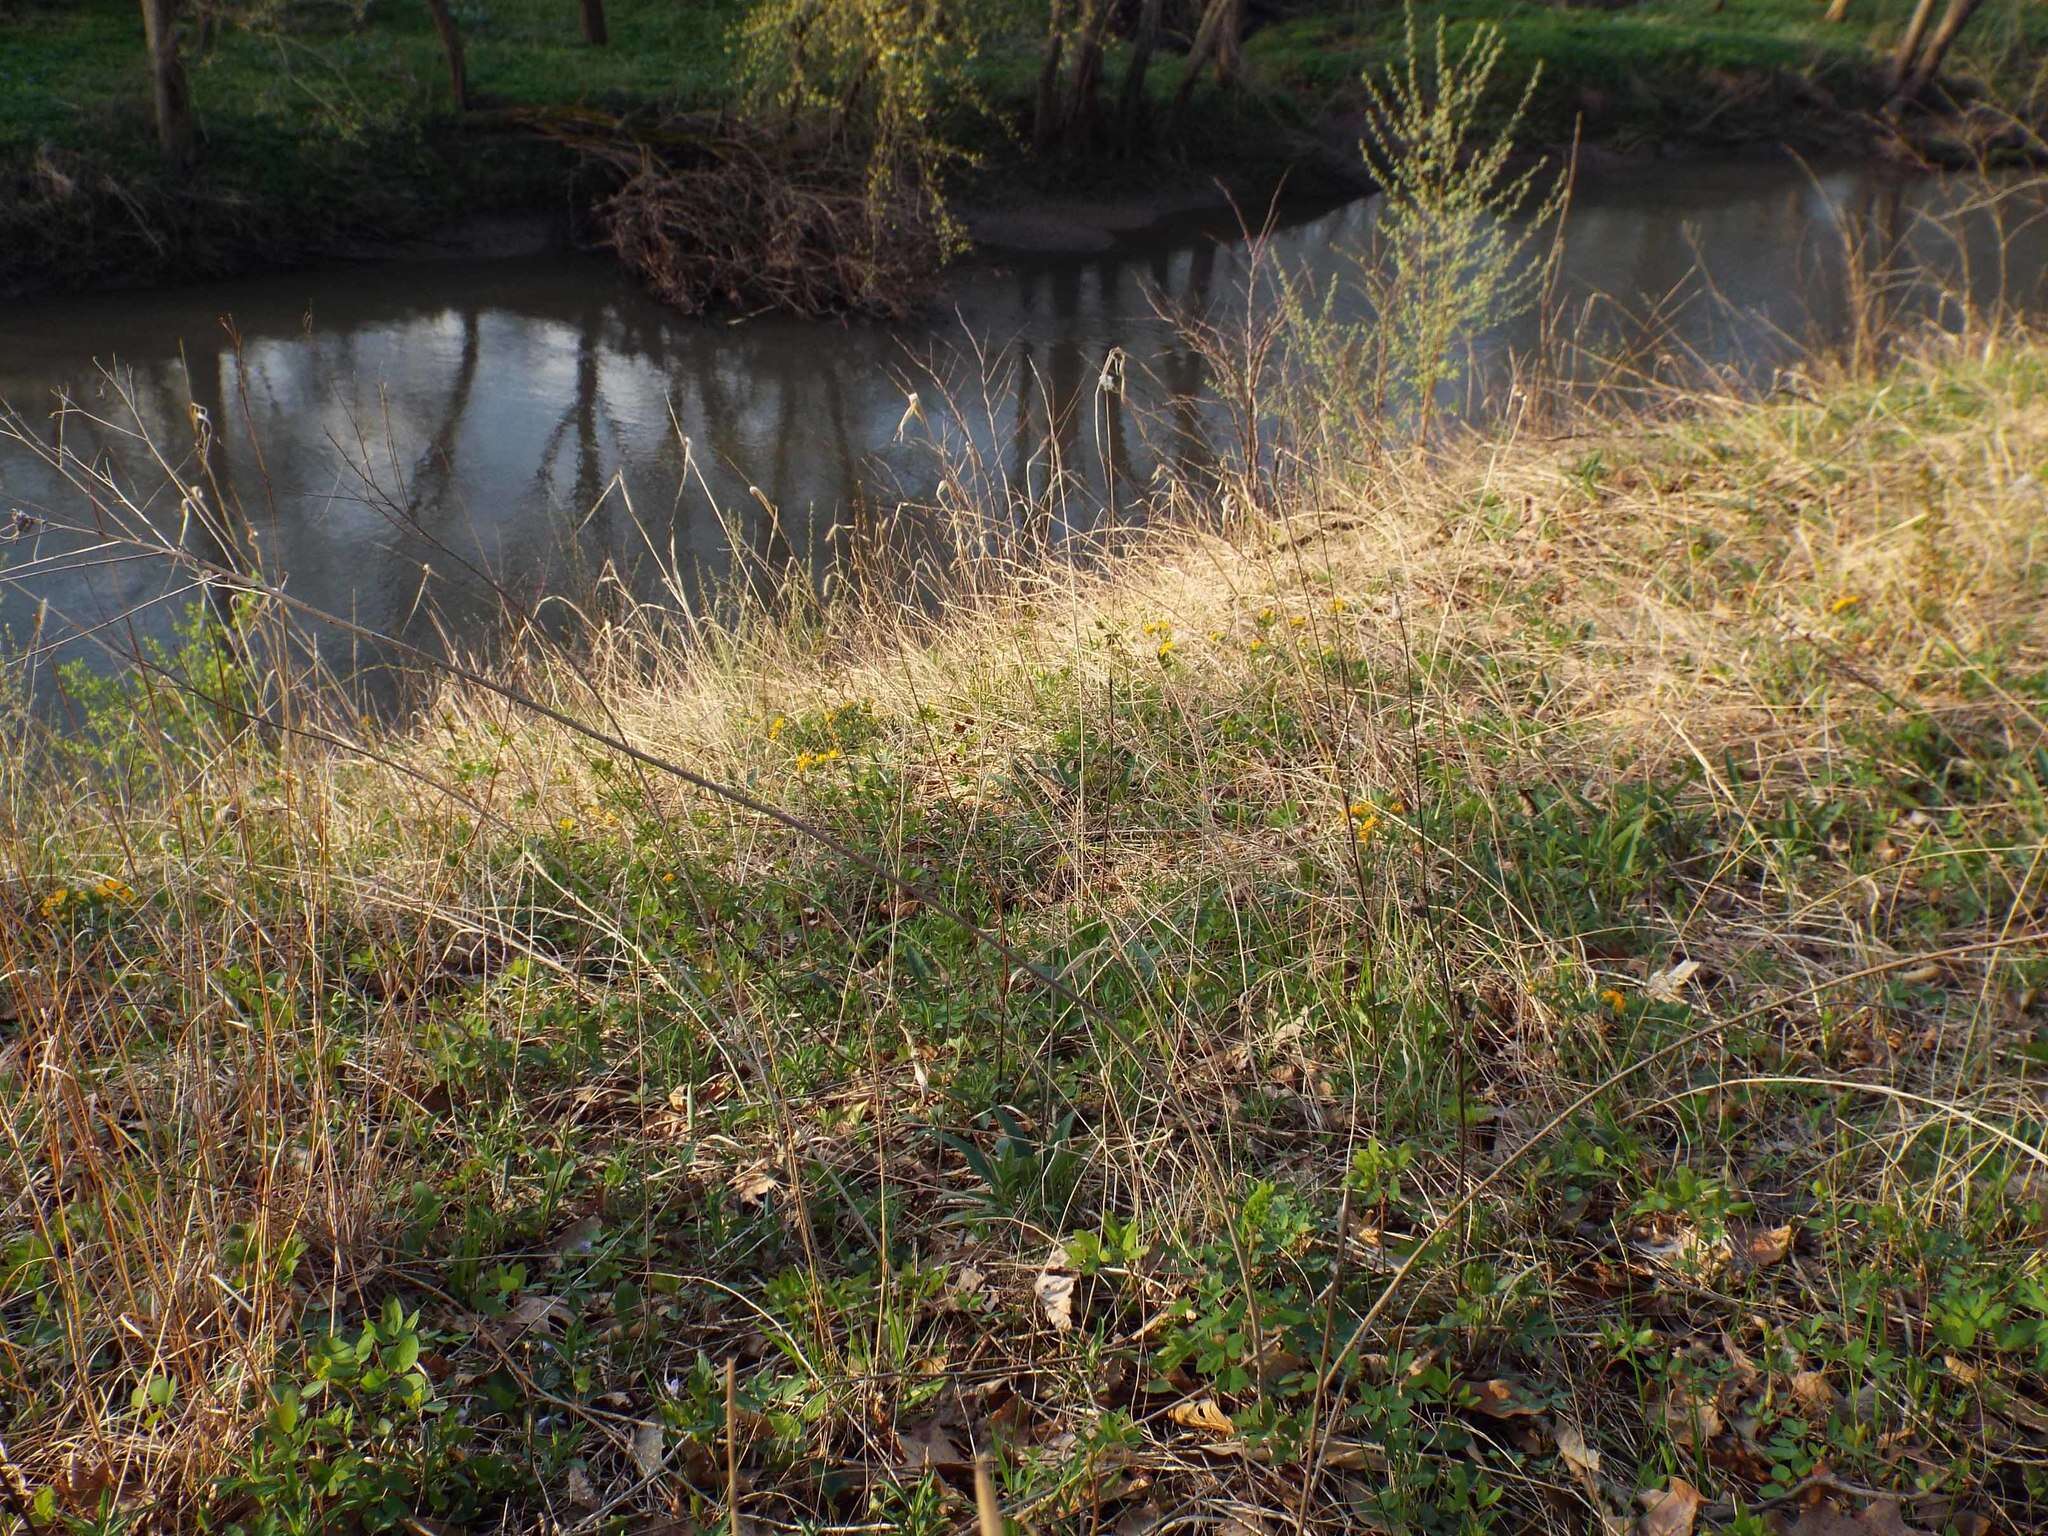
point(1472, 988)
point(1599, 884)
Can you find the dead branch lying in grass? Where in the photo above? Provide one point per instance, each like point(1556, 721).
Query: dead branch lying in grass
point(711, 212)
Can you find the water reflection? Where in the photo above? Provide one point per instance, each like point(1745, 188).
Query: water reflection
point(538, 416)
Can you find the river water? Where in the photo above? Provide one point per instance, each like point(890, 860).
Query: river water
point(537, 416)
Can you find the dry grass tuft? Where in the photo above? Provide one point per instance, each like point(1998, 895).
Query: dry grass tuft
point(1597, 883)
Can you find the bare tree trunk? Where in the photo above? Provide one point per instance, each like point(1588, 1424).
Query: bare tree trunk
point(1909, 43)
point(1081, 101)
point(1215, 40)
point(595, 32)
point(1230, 42)
point(451, 45)
point(1953, 20)
point(167, 82)
point(1143, 43)
point(1046, 113)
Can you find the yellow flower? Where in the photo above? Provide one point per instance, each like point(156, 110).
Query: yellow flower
point(1366, 826)
point(1338, 605)
point(54, 902)
point(111, 889)
point(1257, 645)
point(1216, 636)
point(806, 761)
point(1845, 602)
point(1158, 627)
point(1166, 649)
point(775, 726)
point(1297, 622)
point(1358, 810)
point(566, 824)
point(1266, 615)
point(1615, 1002)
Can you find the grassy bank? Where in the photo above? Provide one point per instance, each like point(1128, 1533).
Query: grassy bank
point(322, 131)
point(1666, 73)
point(1545, 1026)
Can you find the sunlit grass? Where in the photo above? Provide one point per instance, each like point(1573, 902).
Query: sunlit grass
point(363, 1107)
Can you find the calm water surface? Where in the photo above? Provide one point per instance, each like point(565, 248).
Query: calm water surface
point(538, 416)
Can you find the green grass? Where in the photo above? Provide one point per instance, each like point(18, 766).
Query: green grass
point(1660, 71)
point(319, 131)
point(65, 70)
point(1574, 918)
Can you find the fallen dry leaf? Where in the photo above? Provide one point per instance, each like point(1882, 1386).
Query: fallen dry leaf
point(1692, 1421)
point(1810, 1390)
point(646, 1448)
point(1584, 1464)
point(930, 1447)
point(577, 1489)
point(1670, 1512)
point(1769, 1246)
point(80, 1483)
point(532, 1310)
point(755, 1184)
point(1502, 1398)
point(1744, 1366)
point(1202, 1413)
point(1682, 1248)
point(1580, 1457)
point(1055, 1295)
point(1665, 985)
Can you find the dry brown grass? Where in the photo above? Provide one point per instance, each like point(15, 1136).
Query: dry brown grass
point(1835, 601)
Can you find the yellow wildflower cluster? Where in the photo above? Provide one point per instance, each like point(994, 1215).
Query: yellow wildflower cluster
point(1614, 1001)
point(65, 898)
point(1365, 819)
point(1846, 602)
point(806, 761)
point(777, 726)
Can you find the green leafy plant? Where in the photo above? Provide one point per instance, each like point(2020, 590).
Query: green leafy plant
point(1453, 250)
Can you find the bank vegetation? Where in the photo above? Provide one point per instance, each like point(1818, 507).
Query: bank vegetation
point(1488, 981)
